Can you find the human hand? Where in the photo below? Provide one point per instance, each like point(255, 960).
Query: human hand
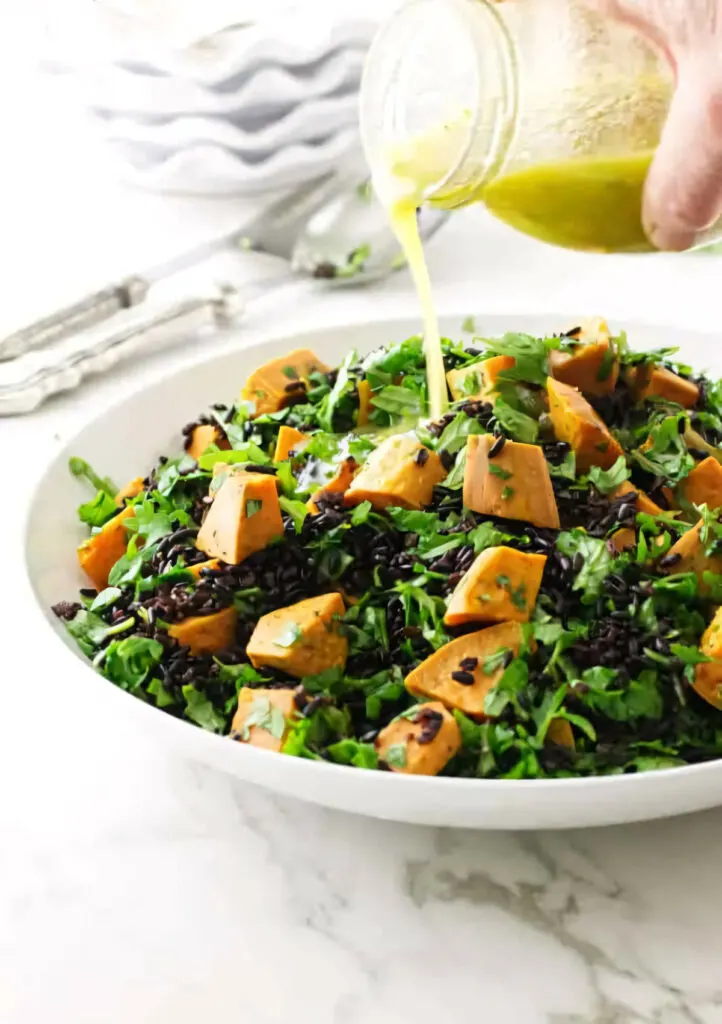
point(683, 193)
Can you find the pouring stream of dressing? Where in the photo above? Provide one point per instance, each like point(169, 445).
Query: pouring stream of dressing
point(401, 178)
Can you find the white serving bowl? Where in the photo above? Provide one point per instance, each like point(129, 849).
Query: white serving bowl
point(149, 423)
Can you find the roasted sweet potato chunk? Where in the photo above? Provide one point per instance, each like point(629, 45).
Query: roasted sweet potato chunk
point(514, 484)
point(478, 659)
point(338, 484)
point(477, 380)
point(703, 486)
point(708, 675)
point(593, 366)
point(205, 634)
point(302, 639)
point(244, 518)
point(689, 554)
point(501, 585)
point(131, 490)
point(281, 381)
point(98, 554)
point(623, 540)
point(421, 741)
point(202, 437)
point(197, 569)
point(401, 472)
point(643, 504)
point(649, 380)
point(576, 422)
point(263, 716)
point(560, 732)
point(288, 439)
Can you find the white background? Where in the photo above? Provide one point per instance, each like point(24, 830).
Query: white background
point(136, 887)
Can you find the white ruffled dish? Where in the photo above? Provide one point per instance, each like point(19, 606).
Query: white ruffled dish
point(305, 123)
point(110, 89)
point(210, 170)
point(208, 42)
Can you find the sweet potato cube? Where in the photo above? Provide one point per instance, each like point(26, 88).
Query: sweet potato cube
point(688, 554)
point(480, 655)
point(244, 518)
point(401, 472)
point(131, 490)
point(643, 504)
point(364, 403)
point(703, 486)
point(205, 634)
point(288, 439)
point(708, 675)
point(421, 741)
point(649, 380)
point(98, 554)
point(302, 639)
point(197, 569)
point(501, 585)
point(514, 484)
point(623, 540)
point(338, 484)
point(202, 437)
point(593, 366)
point(576, 422)
point(263, 716)
point(281, 381)
point(477, 380)
point(560, 732)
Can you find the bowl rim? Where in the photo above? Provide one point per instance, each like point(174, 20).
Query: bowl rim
point(433, 786)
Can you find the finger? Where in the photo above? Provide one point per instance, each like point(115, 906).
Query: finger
point(683, 192)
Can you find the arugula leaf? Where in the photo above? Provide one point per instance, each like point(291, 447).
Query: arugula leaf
point(400, 401)
point(88, 629)
point(98, 511)
point(665, 453)
point(177, 471)
point(455, 480)
point(520, 426)
point(598, 562)
point(361, 513)
point(82, 469)
point(455, 433)
point(297, 510)
point(246, 452)
point(105, 599)
point(531, 357)
point(342, 387)
point(567, 468)
point(411, 521)
point(349, 751)
point(608, 480)
point(511, 684)
point(396, 358)
point(128, 662)
point(200, 710)
point(468, 325)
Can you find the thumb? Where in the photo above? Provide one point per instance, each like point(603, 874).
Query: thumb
point(683, 192)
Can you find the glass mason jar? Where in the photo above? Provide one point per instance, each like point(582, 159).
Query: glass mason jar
point(543, 110)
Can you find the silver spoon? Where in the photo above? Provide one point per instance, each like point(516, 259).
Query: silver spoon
point(349, 241)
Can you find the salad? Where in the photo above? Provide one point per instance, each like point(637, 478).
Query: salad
point(529, 587)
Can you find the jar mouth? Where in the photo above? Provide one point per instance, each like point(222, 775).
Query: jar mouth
point(418, 110)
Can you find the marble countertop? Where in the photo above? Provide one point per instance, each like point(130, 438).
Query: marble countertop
point(139, 887)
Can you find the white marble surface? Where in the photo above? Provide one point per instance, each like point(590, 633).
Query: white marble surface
point(136, 887)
